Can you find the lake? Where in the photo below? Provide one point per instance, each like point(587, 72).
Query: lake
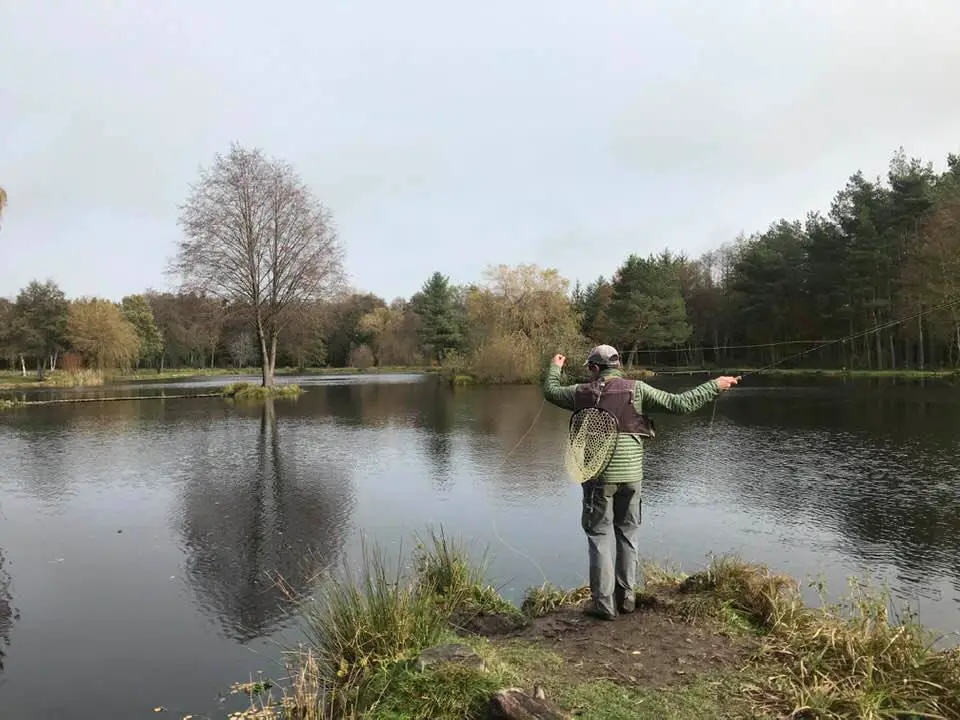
point(139, 539)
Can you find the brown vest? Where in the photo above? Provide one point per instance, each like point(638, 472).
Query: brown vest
point(615, 395)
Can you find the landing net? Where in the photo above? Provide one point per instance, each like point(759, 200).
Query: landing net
point(591, 440)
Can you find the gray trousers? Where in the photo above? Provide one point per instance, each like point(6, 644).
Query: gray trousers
point(611, 520)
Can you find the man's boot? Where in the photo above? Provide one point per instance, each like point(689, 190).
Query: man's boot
point(626, 601)
point(593, 609)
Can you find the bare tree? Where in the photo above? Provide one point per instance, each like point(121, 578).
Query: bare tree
point(3, 200)
point(254, 235)
point(241, 349)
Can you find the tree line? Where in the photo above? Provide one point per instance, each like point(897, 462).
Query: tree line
point(260, 269)
point(876, 277)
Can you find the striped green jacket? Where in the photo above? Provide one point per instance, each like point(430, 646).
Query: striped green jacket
point(627, 462)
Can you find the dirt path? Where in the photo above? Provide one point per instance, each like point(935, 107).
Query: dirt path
point(647, 648)
point(670, 668)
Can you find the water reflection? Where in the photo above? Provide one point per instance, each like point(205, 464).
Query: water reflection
point(876, 466)
point(797, 474)
point(8, 615)
point(257, 507)
point(436, 415)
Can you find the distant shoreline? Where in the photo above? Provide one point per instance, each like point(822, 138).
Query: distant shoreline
point(14, 380)
point(813, 372)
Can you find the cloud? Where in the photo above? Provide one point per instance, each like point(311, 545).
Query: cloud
point(451, 137)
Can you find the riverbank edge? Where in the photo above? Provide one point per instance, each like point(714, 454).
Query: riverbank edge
point(239, 392)
point(10, 380)
point(438, 641)
point(456, 377)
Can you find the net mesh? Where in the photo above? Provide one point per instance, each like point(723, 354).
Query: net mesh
point(590, 444)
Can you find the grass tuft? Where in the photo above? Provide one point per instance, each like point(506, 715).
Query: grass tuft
point(545, 599)
point(356, 627)
point(448, 690)
point(446, 571)
point(734, 589)
point(249, 391)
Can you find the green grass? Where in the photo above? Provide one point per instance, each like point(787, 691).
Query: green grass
point(445, 570)
point(248, 391)
point(365, 631)
point(447, 690)
point(716, 696)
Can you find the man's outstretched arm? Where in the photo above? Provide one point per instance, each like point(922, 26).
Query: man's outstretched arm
point(560, 395)
point(685, 402)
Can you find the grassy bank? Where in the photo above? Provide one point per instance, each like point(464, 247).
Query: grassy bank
point(464, 378)
point(730, 641)
point(457, 375)
point(236, 392)
point(10, 380)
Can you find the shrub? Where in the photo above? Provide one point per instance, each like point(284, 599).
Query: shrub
point(362, 357)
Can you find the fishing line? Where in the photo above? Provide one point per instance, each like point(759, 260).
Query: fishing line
point(503, 464)
point(818, 345)
point(857, 336)
point(853, 336)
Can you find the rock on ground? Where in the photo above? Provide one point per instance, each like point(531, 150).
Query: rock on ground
point(451, 653)
point(515, 704)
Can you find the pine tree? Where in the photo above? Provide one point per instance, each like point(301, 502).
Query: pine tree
point(441, 329)
point(647, 306)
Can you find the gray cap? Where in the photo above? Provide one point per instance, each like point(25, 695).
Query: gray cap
point(604, 355)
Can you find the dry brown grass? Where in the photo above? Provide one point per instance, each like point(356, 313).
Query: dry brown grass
point(545, 599)
point(78, 378)
point(851, 659)
point(447, 573)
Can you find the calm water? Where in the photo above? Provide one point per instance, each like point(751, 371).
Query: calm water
point(138, 539)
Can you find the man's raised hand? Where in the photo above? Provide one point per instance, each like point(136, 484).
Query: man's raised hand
point(726, 382)
point(558, 360)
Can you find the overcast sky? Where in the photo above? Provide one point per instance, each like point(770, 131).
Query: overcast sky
point(451, 135)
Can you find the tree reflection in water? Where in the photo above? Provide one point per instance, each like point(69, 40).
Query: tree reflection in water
point(8, 614)
point(257, 514)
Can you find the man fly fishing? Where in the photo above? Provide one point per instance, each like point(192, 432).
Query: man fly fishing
point(611, 484)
